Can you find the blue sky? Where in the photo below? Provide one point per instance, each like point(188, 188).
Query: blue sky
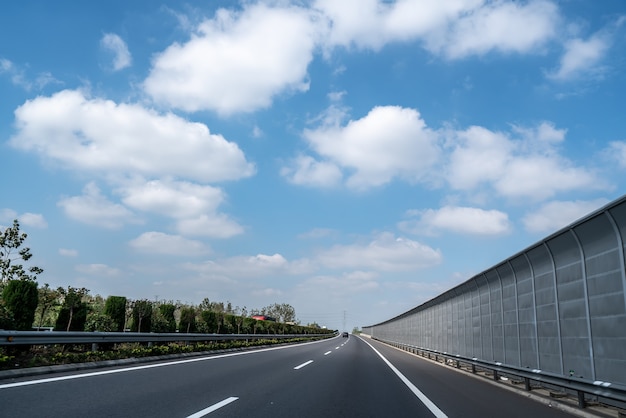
point(353, 159)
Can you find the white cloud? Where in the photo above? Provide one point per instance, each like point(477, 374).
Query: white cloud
point(520, 27)
point(338, 286)
point(463, 220)
point(177, 199)
point(306, 171)
point(215, 225)
point(555, 215)
point(237, 61)
point(386, 253)
point(95, 209)
point(116, 45)
point(617, 151)
point(67, 252)
point(582, 57)
point(161, 243)
point(389, 142)
point(99, 135)
point(454, 29)
point(251, 267)
point(97, 270)
point(35, 220)
point(19, 78)
point(530, 167)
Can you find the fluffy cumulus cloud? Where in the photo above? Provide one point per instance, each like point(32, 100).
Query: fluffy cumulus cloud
point(116, 46)
point(385, 253)
point(33, 220)
point(166, 244)
point(462, 220)
point(93, 208)
point(306, 171)
point(501, 26)
point(455, 29)
point(389, 142)
point(555, 215)
point(527, 167)
point(193, 206)
point(582, 56)
point(99, 135)
point(237, 61)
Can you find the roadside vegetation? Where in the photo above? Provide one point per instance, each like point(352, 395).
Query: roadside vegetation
point(25, 306)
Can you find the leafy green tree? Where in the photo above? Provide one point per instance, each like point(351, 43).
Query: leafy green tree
point(48, 300)
point(282, 312)
point(187, 320)
point(10, 242)
point(115, 308)
point(209, 319)
point(99, 321)
point(168, 310)
point(142, 316)
point(73, 314)
point(20, 298)
point(6, 317)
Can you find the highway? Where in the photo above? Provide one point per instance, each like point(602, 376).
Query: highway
point(339, 377)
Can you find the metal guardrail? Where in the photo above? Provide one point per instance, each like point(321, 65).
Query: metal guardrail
point(581, 387)
point(13, 338)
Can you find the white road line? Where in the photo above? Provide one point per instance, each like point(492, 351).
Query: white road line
point(303, 364)
point(429, 404)
point(207, 411)
point(336, 348)
point(147, 366)
point(327, 353)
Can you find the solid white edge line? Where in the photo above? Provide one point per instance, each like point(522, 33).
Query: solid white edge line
point(150, 366)
point(306, 363)
point(429, 404)
point(212, 408)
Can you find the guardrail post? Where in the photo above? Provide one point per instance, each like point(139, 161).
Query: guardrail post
point(581, 399)
point(474, 368)
point(94, 346)
point(495, 375)
point(527, 384)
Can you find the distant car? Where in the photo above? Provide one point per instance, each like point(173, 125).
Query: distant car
point(264, 318)
point(345, 335)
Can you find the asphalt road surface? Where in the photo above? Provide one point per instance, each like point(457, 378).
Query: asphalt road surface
point(340, 377)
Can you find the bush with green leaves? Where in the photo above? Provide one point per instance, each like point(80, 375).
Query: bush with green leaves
point(115, 308)
point(20, 299)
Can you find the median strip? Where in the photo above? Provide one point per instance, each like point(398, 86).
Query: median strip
point(213, 408)
point(303, 364)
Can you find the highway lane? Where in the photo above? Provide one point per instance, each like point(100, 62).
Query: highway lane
point(334, 378)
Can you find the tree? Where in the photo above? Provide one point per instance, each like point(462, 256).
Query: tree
point(20, 298)
point(187, 320)
point(73, 314)
point(142, 315)
point(167, 311)
point(281, 312)
point(10, 242)
point(115, 308)
point(48, 299)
